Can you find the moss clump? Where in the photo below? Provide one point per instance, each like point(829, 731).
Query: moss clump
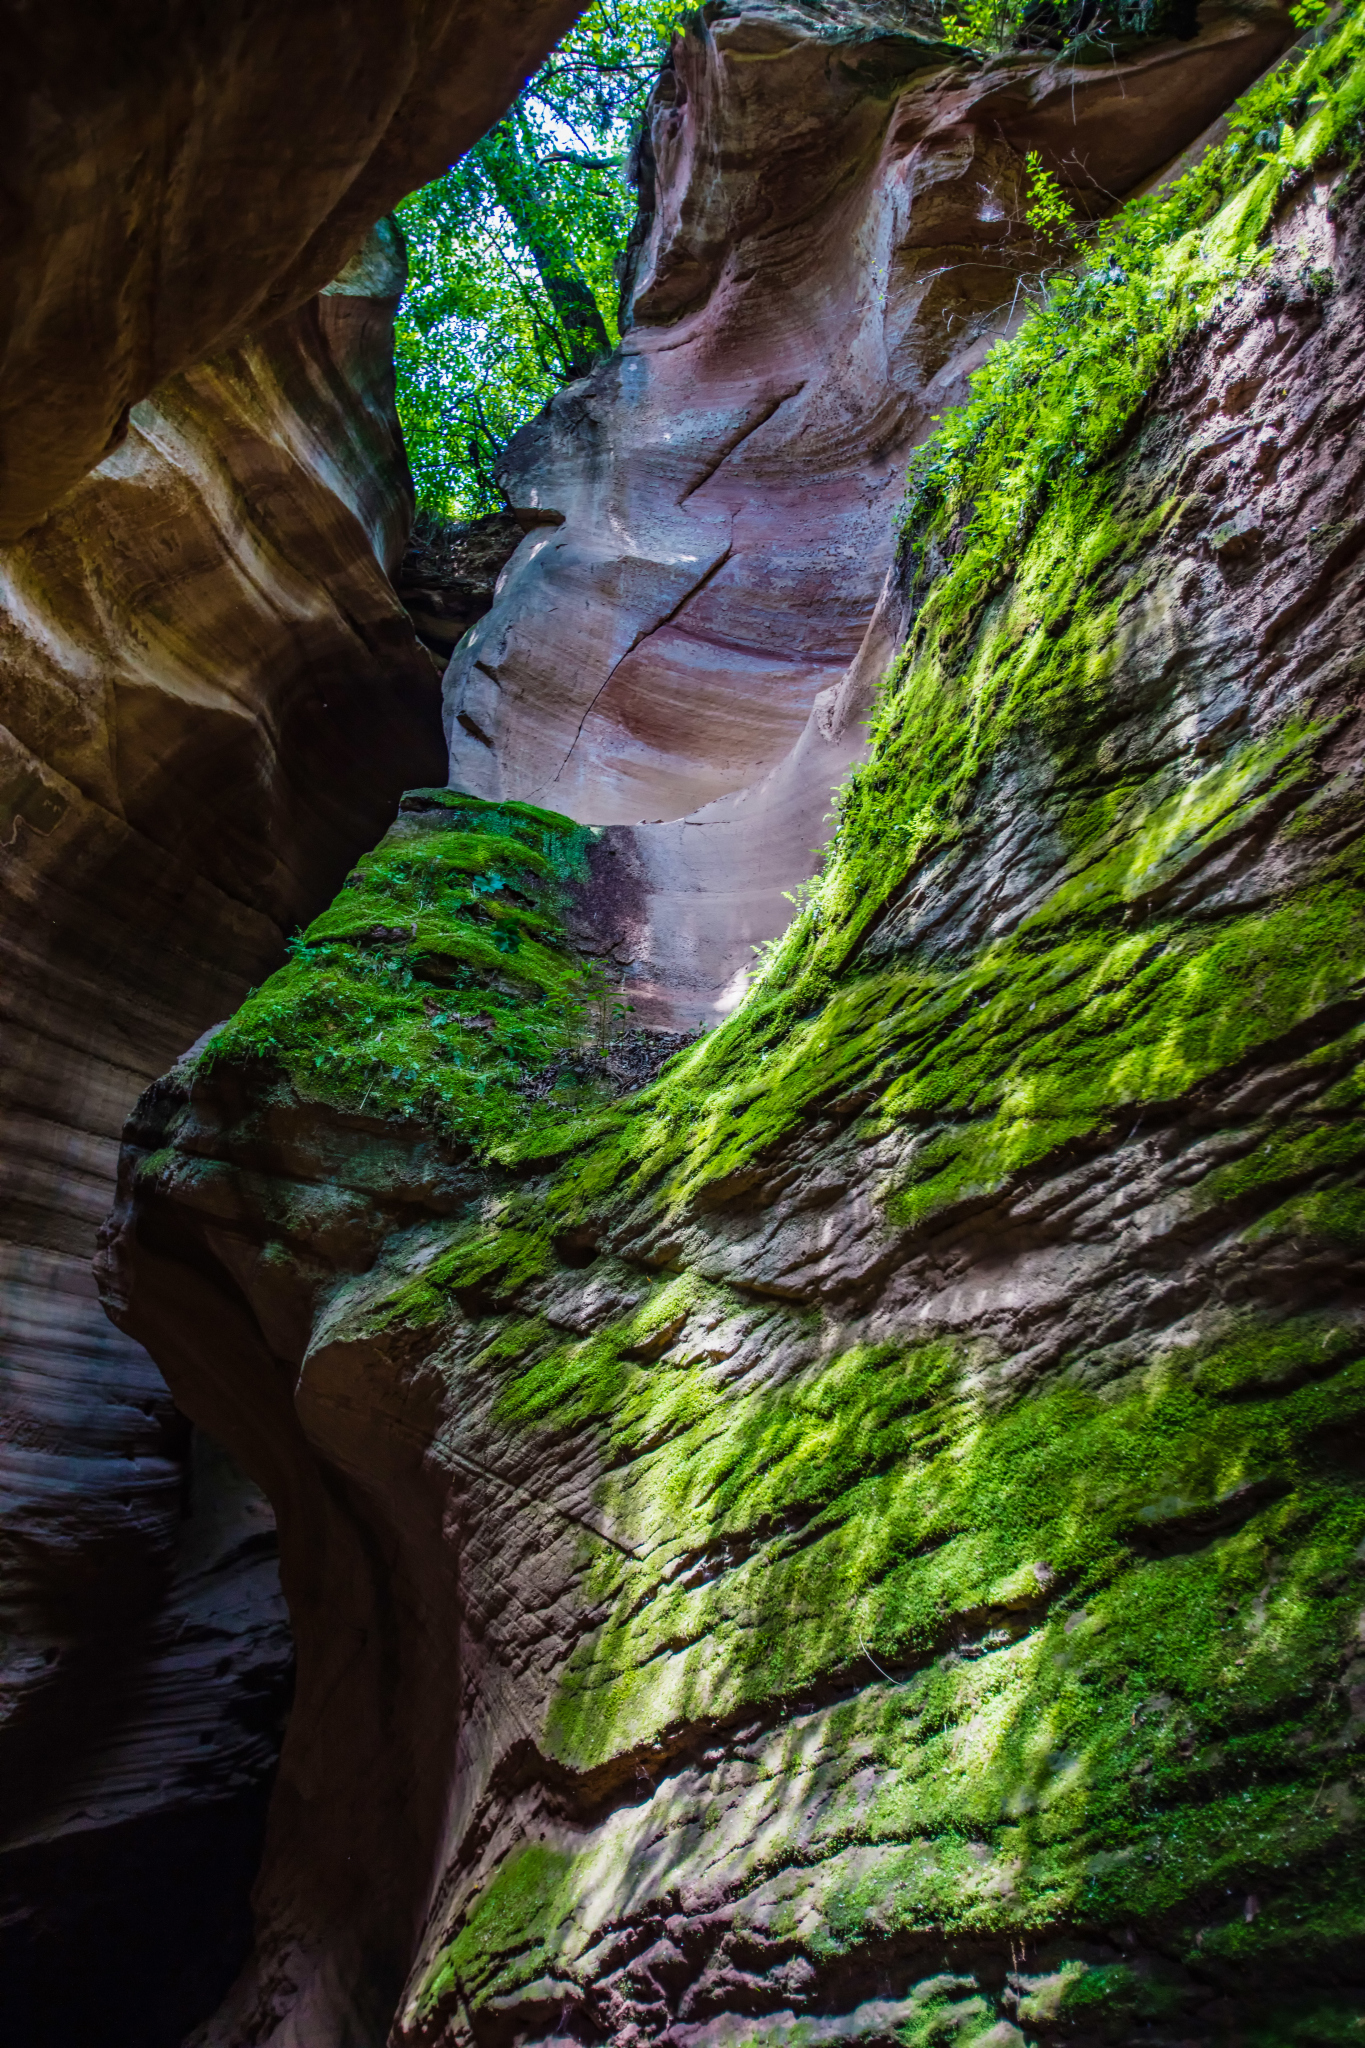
point(1016, 496)
point(440, 980)
point(1114, 1625)
point(499, 1944)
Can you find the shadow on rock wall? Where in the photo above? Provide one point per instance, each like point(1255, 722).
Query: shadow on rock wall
point(862, 1539)
point(212, 700)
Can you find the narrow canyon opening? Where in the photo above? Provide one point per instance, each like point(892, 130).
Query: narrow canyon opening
point(680, 1145)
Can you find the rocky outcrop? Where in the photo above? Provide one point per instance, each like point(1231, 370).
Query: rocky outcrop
point(449, 573)
point(833, 233)
point(212, 697)
point(863, 1539)
point(211, 702)
point(177, 179)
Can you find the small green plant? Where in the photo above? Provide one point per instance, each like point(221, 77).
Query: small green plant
point(1049, 212)
point(609, 1013)
point(982, 24)
point(1307, 14)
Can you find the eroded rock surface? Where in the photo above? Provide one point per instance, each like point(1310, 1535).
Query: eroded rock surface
point(212, 698)
point(866, 1540)
point(125, 1900)
point(447, 577)
point(833, 233)
point(178, 177)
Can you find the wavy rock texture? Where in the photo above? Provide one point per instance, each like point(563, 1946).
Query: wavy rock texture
point(832, 236)
point(176, 177)
point(212, 698)
point(864, 1540)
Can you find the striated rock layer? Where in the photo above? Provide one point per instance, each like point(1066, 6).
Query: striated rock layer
point(212, 697)
point(832, 233)
point(864, 1539)
point(178, 177)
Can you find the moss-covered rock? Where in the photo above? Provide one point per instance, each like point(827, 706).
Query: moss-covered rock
point(887, 1499)
point(441, 980)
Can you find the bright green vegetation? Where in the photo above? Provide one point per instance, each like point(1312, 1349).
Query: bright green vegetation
point(1015, 499)
point(512, 254)
point(440, 980)
point(879, 1498)
point(1113, 1618)
point(1102, 1003)
point(1077, 1652)
point(1086, 1655)
point(1030, 554)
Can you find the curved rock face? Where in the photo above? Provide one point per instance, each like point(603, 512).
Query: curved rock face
point(864, 1540)
point(833, 235)
point(178, 177)
point(212, 698)
point(771, 1601)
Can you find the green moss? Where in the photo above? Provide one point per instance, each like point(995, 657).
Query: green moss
point(1028, 553)
point(951, 2013)
point(1109, 1997)
point(440, 981)
point(856, 1515)
point(1058, 1042)
point(1092, 1638)
point(506, 1937)
point(1114, 1621)
point(1101, 1005)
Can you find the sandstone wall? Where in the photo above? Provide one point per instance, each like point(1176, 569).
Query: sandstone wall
point(210, 702)
point(862, 1539)
point(212, 698)
point(176, 177)
point(833, 234)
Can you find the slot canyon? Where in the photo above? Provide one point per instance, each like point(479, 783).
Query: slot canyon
point(682, 1330)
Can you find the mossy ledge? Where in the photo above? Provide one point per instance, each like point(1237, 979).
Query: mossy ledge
point(906, 1463)
point(441, 979)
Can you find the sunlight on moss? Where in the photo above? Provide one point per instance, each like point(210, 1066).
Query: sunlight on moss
point(1022, 1658)
point(1111, 1621)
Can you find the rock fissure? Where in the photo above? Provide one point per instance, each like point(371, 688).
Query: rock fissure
point(644, 634)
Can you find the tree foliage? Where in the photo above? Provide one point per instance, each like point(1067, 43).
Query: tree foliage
point(513, 251)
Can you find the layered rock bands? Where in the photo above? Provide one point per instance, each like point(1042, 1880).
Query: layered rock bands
point(863, 1537)
point(175, 177)
point(212, 696)
point(211, 700)
point(833, 232)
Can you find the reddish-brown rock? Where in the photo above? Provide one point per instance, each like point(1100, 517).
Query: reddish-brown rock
point(684, 1652)
point(177, 176)
point(832, 237)
point(590, 1515)
point(211, 700)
